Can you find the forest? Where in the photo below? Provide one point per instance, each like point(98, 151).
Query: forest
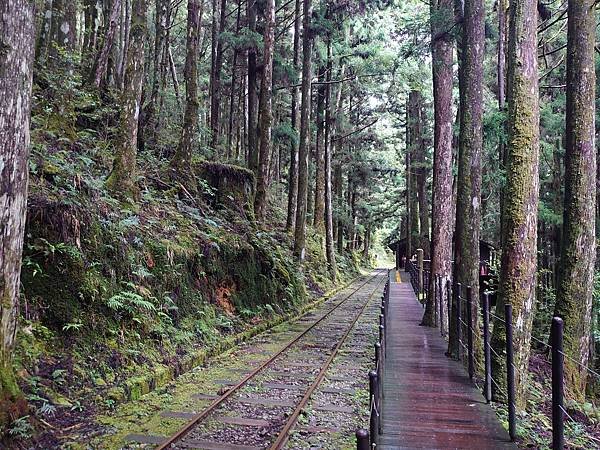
point(177, 176)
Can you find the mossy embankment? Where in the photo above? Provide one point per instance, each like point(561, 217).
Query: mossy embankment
point(119, 298)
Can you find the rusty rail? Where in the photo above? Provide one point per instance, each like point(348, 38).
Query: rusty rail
point(198, 418)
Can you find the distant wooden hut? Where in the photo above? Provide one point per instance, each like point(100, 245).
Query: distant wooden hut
point(487, 255)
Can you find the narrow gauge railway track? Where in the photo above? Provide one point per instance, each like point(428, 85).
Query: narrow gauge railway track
point(319, 342)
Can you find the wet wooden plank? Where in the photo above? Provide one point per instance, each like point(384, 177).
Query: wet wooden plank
point(429, 400)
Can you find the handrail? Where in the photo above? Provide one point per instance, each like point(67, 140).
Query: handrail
point(369, 439)
point(465, 334)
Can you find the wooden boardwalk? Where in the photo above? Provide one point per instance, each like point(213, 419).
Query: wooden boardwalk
point(429, 401)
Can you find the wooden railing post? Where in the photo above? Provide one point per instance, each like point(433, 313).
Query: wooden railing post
point(471, 355)
point(420, 266)
point(362, 440)
point(487, 386)
point(510, 373)
point(558, 415)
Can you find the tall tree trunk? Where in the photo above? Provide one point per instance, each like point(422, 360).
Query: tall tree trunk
point(266, 113)
point(121, 180)
point(519, 228)
point(122, 63)
point(413, 147)
point(501, 68)
point(232, 90)
point(339, 199)
point(329, 243)
point(420, 173)
point(293, 172)
point(183, 155)
point(43, 36)
point(17, 40)
point(217, 65)
point(319, 210)
point(501, 75)
point(576, 285)
point(408, 177)
point(468, 215)
point(441, 206)
point(63, 33)
point(252, 93)
point(101, 65)
point(149, 120)
point(304, 149)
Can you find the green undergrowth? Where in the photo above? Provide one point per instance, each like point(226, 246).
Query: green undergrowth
point(121, 297)
point(534, 425)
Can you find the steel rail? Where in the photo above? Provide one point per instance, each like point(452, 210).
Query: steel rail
point(283, 436)
point(194, 421)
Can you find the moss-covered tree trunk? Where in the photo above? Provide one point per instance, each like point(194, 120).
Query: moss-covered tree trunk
point(183, 156)
point(304, 150)
point(520, 204)
point(266, 112)
point(293, 170)
point(576, 276)
point(17, 28)
point(121, 180)
point(468, 211)
point(441, 206)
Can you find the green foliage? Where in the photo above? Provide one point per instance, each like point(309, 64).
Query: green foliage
point(21, 428)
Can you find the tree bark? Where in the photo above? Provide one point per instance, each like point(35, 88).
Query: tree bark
point(121, 180)
point(339, 196)
point(441, 206)
point(217, 65)
point(329, 243)
point(43, 40)
point(101, 64)
point(266, 113)
point(293, 172)
point(252, 93)
point(183, 155)
point(468, 212)
point(413, 147)
point(304, 149)
point(319, 209)
point(149, 120)
point(420, 173)
point(17, 41)
point(576, 278)
point(232, 92)
point(519, 228)
point(63, 33)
